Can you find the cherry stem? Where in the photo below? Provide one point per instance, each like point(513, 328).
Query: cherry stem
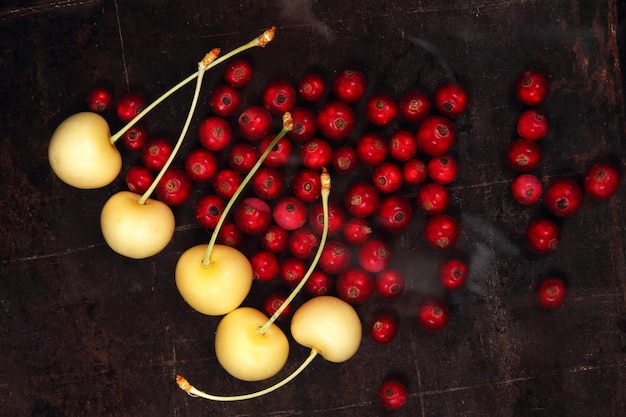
point(194, 392)
point(325, 181)
point(262, 40)
point(287, 126)
point(202, 67)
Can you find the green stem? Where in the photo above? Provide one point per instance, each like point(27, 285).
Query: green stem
point(206, 261)
point(192, 391)
point(261, 40)
point(318, 254)
point(201, 70)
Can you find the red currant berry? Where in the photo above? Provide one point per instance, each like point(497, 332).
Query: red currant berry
point(441, 231)
point(238, 72)
point(139, 178)
point(442, 169)
point(433, 198)
point(601, 180)
point(345, 159)
point(290, 213)
point(451, 100)
point(383, 328)
point(273, 302)
point(349, 85)
point(265, 265)
point(279, 97)
point(355, 286)
point(99, 100)
point(335, 257)
point(135, 138)
point(230, 235)
point(532, 125)
point(335, 120)
point(453, 274)
point(275, 239)
point(371, 148)
point(255, 123)
point(390, 283)
point(551, 293)
point(267, 183)
point(319, 283)
point(156, 152)
point(130, 105)
point(526, 189)
point(215, 133)
point(394, 214)
point(387, 177)
point(436, 135)
point(242, 157)
point(433, 315)
point(316, 154)
point(523, 155)
point(336, 218)
point(175, 186)
point(201, 165)
point(226, 182)
point(531, 88)
point(563, 197)
point(225, 101)
point(304, 124)
point(392, 395)
point(303, 243)
point(280, 153)
point(402, 145)
point(381, 110)
point(356, 231)
point(374, 255)
point(414, 106)
point(542, 235)
point(208, 210)
point(414, 171)
point(361, 199)
point(292, 271)
point(253, 216)
point(307, 185)
point(312, 87)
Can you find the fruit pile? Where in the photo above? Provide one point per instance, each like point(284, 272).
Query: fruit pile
point(288, 230)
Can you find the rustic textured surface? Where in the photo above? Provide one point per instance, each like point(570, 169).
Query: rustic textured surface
point(87, 332)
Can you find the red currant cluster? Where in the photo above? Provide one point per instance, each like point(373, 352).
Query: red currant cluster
point(563, 197)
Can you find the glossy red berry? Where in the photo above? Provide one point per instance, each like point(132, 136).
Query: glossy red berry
point(175, 187)
point(335, 257)
point(230, 235)
point(304, 124)
point(253, 215)
point(139, 178)
point(383, 328)
point(453, 274)
point(130, 105)
point(303, 243)
point(279, 97)
point(306, 185)
point(532, 125)
point(265, 265)
point(290, 213)
point(316, 154)
point(392, 395)
point(402, 145)
point(336, 218)
point(526, 189)
point(226, 182)
point(267, 183)
point(273, 302)
point(356, 230)
point(208, 210)
point(601, 180)
point(355, 286)
point(387, 177)
point(451, 100)
point(238, 72)
point(312, 87)
point(280, 153)
point(531, 87)
point(361, 199)
point(551, 293)
point(319, 283)
point(524, 155)
point(414, 171)
point(345, 159)
point(374, 255)
point(394, 214)
point(292, 271)
point(99, 100)
point(542, 235)
point(349, 85)
point(225, 101)
point(135, 138)
point(241, 157)
point(381, 110)
point(215, 133)
point(433, 198)
point(275, 239)
point(414, 106)
point(441, 231)
point(336, 120)
point(371, 148)
point(155, 153)
point(433, 315)
point(563, 197)
point(436, 135)
point(442, 169)
point(390, 283)
point(255, 123)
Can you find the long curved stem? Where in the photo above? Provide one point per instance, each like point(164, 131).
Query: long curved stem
point(194, 392)
point(262, 40)
point(287, 126)
point(325, 180)
point(202, 67)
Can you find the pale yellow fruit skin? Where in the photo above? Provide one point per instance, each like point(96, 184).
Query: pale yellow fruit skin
point(246, 354)
point(329, 325)
point(81, 154)
point(136, 230)
point(219, 288)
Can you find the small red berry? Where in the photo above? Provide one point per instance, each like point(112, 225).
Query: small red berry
point(356, 231)
point(563, 197)
point(442, 169)
point(436, 135)
point(316, 154)
point(345, 159)
point(175, 186)
point(155, 153)
point(524, 155)
point(225, 101)
point(441, 231)
point(542, 235)
point(383, 328)
point(551, 293)
point(306, 185)
point(349, 85)
point(414, 171)
point(267, 183)
point(280, 153)
point(275, 239)
point(390, 283)
point(414, 106)
point(230, 235)
point(273, 302)
point(290, 213)
point(292, 271)
point(433, 315)
point(531, 88)
point(433, 198)
point(451, 100)
point(215, 133)
point(139, 178)
point(532, 125)
point(387, 177)
point(100, 100)
point(312, 87)
point(381, 110)
point(130, 105)
point(336, 218)
point(319, 283)
point(453, 274)
point(265, 265)
point(226, 182)
point(279, 97)
point(253, 215)
point(135, 138)
point(336, 120)
point(355, 286)
point(255, 123)
point(526, 189)
point(361, 199)
point(402, 145)
point(208, 210)
point(238, 72)
point(304, 124)
point(601, 180)
point(371, 148)
point(374, 255)
point(241, 157)
point(303, 243)
point(392, 395)
point(335, 257)
point(394, 214)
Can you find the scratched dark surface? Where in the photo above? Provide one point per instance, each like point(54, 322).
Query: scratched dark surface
point(86, 332)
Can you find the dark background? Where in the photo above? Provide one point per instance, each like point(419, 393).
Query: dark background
point(85, 331)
